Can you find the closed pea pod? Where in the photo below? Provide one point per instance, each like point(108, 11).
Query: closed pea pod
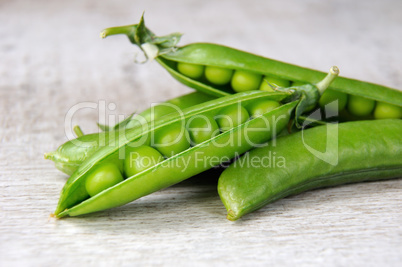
point(366, 151)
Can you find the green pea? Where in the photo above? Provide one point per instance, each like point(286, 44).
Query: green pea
point(219, 76)
point(140, 158)
point(245, 81)
point(103, 177)
point(360, 106)
point(261, 107)
point(202, 128)
point(231, 117)
point(387, 111)
point(193, 71)
point(267, 82)
point(328, 98)
point(172, 140)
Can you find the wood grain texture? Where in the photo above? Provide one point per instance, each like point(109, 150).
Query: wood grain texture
point(51, 59)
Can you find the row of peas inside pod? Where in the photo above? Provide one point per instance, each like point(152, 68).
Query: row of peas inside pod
point(173, 140)
point(351, 107)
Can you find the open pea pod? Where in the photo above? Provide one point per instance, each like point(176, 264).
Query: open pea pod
point(165, 50)
point(75, 200)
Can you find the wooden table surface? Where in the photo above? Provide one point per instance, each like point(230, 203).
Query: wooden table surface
point(52, 61)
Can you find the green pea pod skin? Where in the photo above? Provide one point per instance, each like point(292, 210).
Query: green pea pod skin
point(170, 106)
point(191, 99)
point(74, 200)
point(71, 154)
point(367, 151)
point(167, 54)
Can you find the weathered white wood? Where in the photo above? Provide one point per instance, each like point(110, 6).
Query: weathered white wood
point(51, 58)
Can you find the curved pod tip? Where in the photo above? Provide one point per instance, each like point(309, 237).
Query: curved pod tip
point(231, 216)
point(49, 155)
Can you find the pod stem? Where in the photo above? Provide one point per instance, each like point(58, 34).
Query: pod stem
point(127, 30)
point(324, 84)
point(50, 155)
point(77, 130)
point(145, 39)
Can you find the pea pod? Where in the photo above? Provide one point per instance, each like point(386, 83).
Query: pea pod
point(360, 151)
point(74, 198)
point(71, 154)
point(164, 49)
